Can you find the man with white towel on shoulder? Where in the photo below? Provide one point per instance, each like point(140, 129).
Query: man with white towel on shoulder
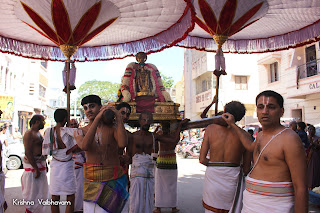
point(59, 142)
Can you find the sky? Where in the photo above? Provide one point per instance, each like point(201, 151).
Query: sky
point(169, 62)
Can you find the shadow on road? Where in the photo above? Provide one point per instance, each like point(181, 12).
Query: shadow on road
point(10, 194)
point(190, 193)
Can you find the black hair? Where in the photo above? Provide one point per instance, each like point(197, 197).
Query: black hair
point(250, 131)
point(60, 115)
point(146, 113)
point(235, 108)
point(108, 117)
point(219, 113)
point(123, 104)
point(271, 93)
point(302, 125)
point(35, 118)
point(311, 127)
point(91, 99)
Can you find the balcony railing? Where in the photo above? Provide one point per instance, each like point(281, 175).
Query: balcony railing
point(309, 69)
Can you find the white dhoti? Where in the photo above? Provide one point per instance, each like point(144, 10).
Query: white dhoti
point(141, 184)
point(2, 183)
point(166, 188)
point(220, 186)
point(79, 159)
point(89, 207)
point(166, 177)
point(34, 189)
point(78, 205)
point(62, 178)
point(264, 196)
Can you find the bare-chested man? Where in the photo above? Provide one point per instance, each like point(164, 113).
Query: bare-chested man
point(166, 173)
point(34, 178)
point(277, 182)
point(105, 182)
point(125, 111)
point(142, 168)
point(223, 166)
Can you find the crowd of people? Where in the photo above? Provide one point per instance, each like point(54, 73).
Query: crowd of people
point(311, 143)
point(90, 164)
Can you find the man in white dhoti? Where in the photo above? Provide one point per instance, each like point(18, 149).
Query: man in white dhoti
point(277, 181)
point(34, 178)
point(59, 142)
point(142, 168)
point(166, 173)
point(223, 166)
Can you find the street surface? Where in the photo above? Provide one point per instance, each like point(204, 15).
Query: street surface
point(190, 186)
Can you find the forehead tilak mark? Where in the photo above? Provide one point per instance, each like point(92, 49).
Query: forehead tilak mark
point(265, 100)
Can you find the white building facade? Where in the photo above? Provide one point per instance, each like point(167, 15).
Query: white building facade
point(295, 74)
point(26, 81)
point(240, 83)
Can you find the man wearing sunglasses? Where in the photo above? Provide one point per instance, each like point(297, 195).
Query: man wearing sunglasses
point(125, 111)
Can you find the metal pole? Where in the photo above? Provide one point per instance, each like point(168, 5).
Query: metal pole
point(75, 109)
point(68, 90)
point(217, 95)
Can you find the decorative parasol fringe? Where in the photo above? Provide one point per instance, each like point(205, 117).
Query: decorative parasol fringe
point(165, 39)
point(260, 45)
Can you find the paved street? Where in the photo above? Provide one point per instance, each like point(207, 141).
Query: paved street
point(190, 185)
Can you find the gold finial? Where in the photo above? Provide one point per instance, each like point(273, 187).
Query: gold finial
point(220, 39)
point(68, 50)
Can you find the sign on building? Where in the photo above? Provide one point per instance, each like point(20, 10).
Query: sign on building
point(6, 106)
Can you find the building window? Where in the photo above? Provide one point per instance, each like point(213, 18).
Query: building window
point(42, 91)
point(203, 85)
point(31, 89)
point(311, 62)
point(241, 82)
point(274, 75)
point(44, 64)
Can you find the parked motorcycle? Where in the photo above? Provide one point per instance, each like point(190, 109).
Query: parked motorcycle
point(192, 149)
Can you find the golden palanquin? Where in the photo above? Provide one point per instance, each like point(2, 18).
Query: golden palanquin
point(163, 112)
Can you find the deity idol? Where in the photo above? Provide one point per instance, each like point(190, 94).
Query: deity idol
point(142, 84)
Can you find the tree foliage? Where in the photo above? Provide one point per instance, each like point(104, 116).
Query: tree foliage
point(167, 81)
point(106, 90)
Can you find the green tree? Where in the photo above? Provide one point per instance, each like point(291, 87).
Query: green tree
point(106, 90)
point(167, 81)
